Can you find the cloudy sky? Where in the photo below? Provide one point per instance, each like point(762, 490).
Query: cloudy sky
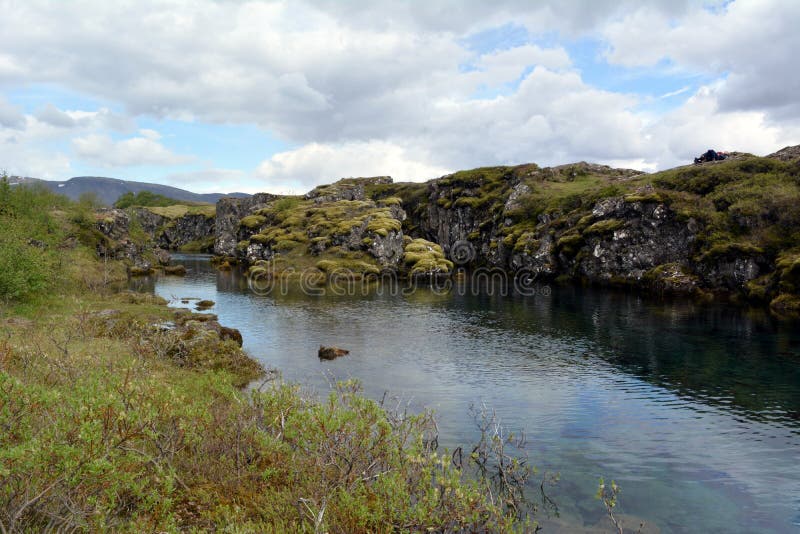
point(225, 95)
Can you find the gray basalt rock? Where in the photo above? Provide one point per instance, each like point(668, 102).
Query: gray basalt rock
point(187, 229)
point(230, 211)
point(638, 237)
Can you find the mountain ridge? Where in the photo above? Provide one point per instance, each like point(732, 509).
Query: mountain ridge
point(108, 189)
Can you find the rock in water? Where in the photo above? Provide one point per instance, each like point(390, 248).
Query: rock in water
point(205, 304)
point(176, 270)
point(331, 353)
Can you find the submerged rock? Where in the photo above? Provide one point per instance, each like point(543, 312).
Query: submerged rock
point(176, 270)
point(331, 353)
point(205, 304)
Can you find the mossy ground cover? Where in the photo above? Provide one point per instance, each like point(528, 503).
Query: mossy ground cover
point(176, 211)
point(566, 188)
point(413, 198)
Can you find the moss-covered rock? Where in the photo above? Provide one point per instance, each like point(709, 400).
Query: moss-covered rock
point(424, 258)
point(253, 221)
point(175, 270)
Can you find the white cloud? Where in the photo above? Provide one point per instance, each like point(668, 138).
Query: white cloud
point(152, 135)
point(682, 90)
point(104, 151)
point(750, 43)
point(381, 88)
point(55, 117)
point(300, 170)
point(701, 123)
point(10, 116)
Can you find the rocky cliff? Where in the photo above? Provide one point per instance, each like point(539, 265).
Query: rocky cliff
point(728, 227)
point(334, 228)
point(117, 237)
point(179, 227)
point(229, 213)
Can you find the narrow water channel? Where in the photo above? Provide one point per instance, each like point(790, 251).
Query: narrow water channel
point(693, 410)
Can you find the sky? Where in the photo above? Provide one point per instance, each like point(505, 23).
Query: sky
point(281, 96)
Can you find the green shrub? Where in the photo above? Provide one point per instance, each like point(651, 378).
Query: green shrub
point(24, 269)
point(143, 199)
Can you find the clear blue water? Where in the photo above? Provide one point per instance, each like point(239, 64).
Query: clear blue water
point(693, 410)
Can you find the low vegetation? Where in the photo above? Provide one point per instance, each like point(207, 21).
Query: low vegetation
point(122, 414)
point(143, 199)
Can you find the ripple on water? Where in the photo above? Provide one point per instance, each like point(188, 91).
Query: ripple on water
point(690, 410)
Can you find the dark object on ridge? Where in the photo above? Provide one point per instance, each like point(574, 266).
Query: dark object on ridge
point(710, 155)
point(331, 353)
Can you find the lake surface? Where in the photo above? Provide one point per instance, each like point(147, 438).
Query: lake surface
point(693, 410)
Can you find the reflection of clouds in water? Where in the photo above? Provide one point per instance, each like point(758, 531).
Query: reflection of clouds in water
point(687, 406)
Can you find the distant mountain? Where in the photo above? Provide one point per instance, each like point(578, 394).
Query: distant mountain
point(109, 190)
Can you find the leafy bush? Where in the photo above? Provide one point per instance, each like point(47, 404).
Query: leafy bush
point(24, 268)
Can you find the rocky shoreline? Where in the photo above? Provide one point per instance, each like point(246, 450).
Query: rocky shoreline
point(726, 229)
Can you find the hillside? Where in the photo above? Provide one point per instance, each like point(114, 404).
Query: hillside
point(109, 189)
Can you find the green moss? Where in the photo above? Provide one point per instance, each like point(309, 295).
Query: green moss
point(731, 249)
point(285, 245)
point(472, 202)
point(382, 225)
point(422, 257)
point(570, 240)
point(260, 239)
point(390, 201)
point(761, 288)
point(343, 266)
point(526, 242)
point(786, 304)
point(643, 198)
point(140, 271)
point(179, 210)
point(176, 270)
point(200, 245)
point(253, 221)
point(286, 203)
point(604, 227)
